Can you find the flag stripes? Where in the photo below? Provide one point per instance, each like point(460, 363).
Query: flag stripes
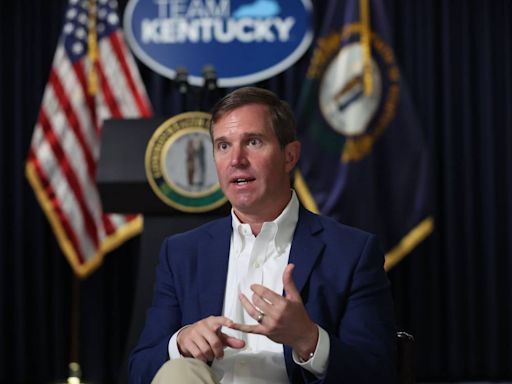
point(128, 71)
point(61, 164)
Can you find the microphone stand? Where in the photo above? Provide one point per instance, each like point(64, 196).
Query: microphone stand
point(210, 89)
point(183, 86)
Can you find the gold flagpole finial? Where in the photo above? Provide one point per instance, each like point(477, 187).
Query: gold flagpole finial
point(92, 39)
point(366, 45)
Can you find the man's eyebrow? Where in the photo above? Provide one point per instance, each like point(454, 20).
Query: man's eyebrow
point(245, 135)
point(253, 134)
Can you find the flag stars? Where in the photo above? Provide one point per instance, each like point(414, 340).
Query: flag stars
point(68, 28)
point(82, 18)
point(77, 48)
point(102, 13)
point(112, 18)
point(100, 27)
point(71, 14)
point(80, 33)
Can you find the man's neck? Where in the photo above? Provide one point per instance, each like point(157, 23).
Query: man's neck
point(256, 220)
point(256, 228)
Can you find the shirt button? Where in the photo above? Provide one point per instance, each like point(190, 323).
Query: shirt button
point(256, 264)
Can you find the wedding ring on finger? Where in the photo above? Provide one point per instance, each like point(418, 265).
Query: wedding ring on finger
point(261, 315)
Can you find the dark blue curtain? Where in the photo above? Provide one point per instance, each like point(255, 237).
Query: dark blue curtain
point(456, 56)
point(453, 293)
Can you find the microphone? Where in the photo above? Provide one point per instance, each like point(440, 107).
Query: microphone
point(210, 77)
point(182, 80)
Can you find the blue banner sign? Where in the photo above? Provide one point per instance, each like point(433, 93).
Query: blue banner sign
point(245, 41)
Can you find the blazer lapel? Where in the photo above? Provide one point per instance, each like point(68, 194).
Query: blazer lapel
point(306, 247)
point(213, 267)
point(305, 250)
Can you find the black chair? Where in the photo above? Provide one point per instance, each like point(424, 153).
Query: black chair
point(406, 359)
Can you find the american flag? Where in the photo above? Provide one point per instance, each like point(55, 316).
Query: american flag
point(93, 77)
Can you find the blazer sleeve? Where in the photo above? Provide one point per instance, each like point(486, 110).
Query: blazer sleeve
point(163, 319)
point(363, 347)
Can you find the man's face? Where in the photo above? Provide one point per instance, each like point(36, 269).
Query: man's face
point(253, 169)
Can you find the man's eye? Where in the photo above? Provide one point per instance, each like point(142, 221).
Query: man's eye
point(222, 146)
point(254, 142)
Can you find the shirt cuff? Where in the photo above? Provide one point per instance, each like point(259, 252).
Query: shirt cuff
point(317, 364)
point(174, 352)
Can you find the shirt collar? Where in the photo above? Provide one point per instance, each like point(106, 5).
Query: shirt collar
point(279, 231)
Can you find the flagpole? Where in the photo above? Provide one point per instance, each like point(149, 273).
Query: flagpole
point(74, 369)
point(74, 344)
point(366, 45)
point(75, 372)
point(84, 89)
point(92, 40)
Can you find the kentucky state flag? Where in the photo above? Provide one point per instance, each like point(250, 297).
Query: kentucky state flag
point(364, 161)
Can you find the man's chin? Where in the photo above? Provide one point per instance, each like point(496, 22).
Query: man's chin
point(245, 207)
point(241, 199)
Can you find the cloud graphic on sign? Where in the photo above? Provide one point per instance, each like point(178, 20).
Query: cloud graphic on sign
point(259, 8)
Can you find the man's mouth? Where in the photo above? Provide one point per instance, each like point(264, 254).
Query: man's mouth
point(241, 180)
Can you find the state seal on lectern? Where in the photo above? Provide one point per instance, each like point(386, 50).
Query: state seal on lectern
point(179, 164)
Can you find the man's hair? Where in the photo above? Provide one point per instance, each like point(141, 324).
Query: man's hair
point(281, 116)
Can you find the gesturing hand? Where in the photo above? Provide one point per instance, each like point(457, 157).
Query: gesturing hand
point(282, 319)
point(204, 340)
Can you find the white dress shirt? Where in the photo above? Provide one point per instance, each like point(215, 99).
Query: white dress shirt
point(261, 260)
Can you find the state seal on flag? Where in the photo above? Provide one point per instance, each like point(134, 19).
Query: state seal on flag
point(360, 117)
point(179, 164)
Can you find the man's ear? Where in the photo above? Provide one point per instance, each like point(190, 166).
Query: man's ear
point(291, 154)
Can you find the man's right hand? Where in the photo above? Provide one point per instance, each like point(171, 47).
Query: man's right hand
point(204, 340)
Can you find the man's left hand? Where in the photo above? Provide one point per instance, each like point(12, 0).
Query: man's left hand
point(283, 320)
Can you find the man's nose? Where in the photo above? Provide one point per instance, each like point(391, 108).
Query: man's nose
point(238, 157)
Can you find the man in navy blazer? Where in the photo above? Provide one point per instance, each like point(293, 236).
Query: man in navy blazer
point(333, 324)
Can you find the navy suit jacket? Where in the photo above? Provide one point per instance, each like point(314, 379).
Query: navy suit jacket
point(338, 270)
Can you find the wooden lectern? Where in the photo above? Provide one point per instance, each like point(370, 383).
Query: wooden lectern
point(123, 188)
